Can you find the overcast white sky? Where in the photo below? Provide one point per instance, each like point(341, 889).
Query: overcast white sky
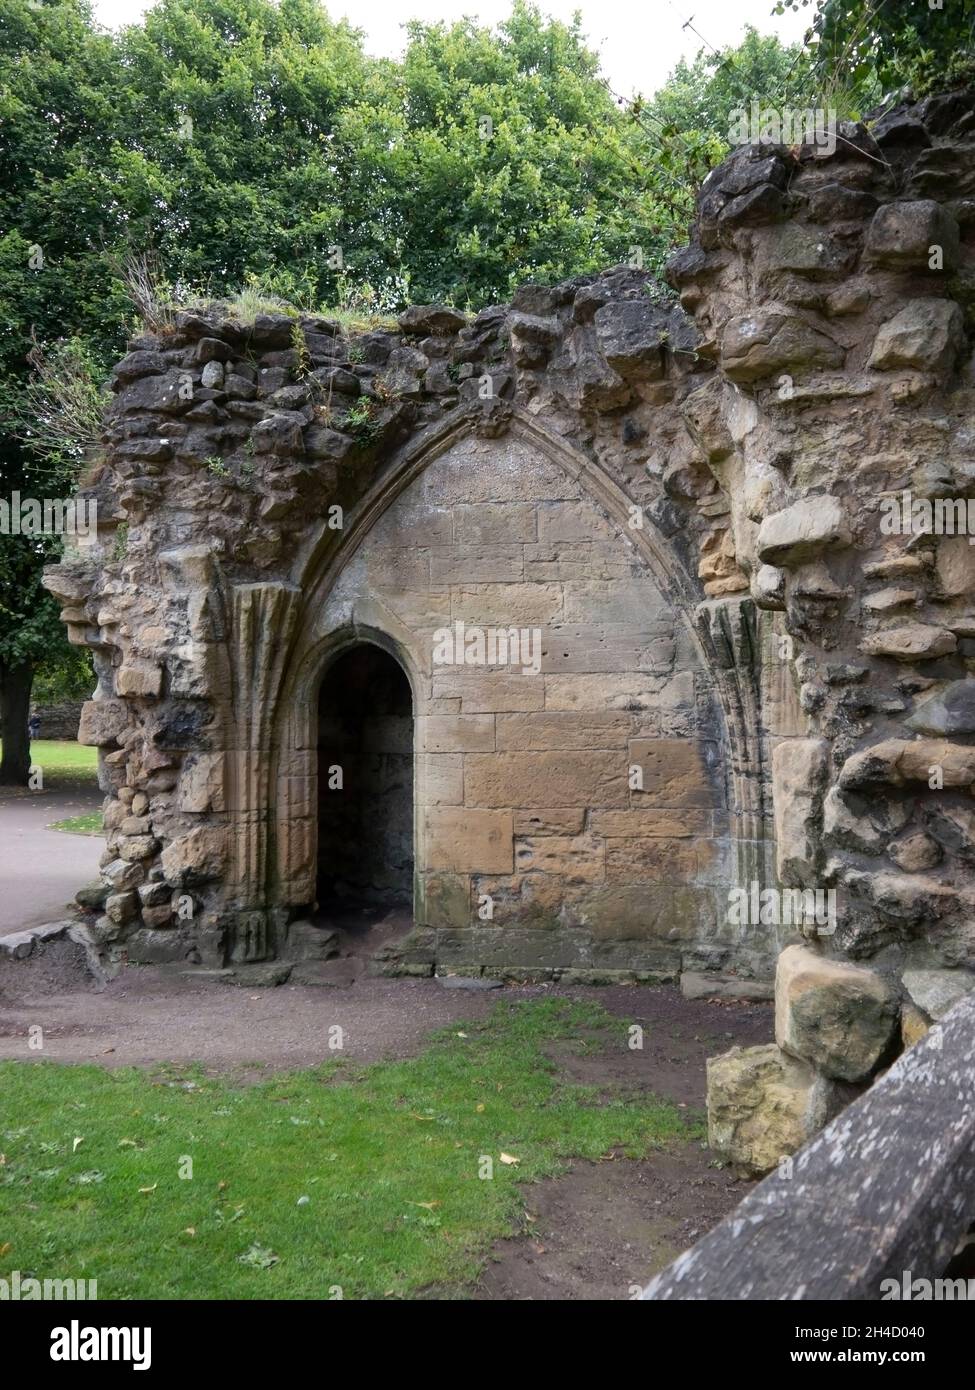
point(639, 40)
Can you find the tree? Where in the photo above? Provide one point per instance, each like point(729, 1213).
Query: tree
point(695, 109)
point(875, 49)
point(702, 96)
point(61, 199)
point(53, 419)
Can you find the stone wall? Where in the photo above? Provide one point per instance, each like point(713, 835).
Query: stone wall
point(274, 492)
point(834, 295)
point(59, 721)
point(689, 505)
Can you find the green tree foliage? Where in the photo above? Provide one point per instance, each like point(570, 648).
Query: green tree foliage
point(245, 142)
point(267, 143)
point(60, 201)
point(695, 109)
point(875, 48)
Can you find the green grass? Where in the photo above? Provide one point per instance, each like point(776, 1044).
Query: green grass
point(64, 763)
point(387, 1155)
point(80, 825)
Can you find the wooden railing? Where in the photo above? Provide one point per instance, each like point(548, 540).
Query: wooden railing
point(885, 1191)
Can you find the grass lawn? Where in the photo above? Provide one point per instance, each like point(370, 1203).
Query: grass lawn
point(64, 763)
point(364, 1178)
point(79, 825)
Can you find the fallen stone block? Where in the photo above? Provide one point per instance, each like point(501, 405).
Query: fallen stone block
point(836, 1016)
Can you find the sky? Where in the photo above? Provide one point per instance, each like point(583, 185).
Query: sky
point(640, 41)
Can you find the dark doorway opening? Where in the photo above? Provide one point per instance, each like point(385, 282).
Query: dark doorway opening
point(365, 785)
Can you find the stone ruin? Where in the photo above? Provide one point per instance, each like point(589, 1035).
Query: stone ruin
point(318, 550)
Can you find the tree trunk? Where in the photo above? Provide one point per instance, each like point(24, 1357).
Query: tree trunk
point(15, 686)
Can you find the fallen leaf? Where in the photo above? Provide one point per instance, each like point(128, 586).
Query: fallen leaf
point(74, 1146)
point(221, 1185)
point(479, 1109)
point(429, 1205)
point(189, 1231)
point(462, 1035)
point(127, 1144)
point(149, 1189)
point(509, 1158)
point(3, 1160)
point(258, 1257)
point(5, 1249)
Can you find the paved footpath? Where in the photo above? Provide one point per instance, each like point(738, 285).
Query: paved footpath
point(41, 869)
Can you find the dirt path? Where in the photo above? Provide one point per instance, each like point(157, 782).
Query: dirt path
point(41, 869)
point(597, 1231)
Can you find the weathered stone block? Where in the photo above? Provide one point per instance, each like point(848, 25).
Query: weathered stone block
point(549, 822)
point(198, 857)
point(677, 771)
point(763, 1105)
point(444, 900)
point(926, 334)
point(440, 779)
point(904, 235)
point(460, 840)
point(141, 678)
point(308, 941)
point(541, 731)
point(948, 711)
point(639, 824)
point(484, 691)
point(103, 722)
point(455, 733)
point(799, 768)
point(631, 335)
point(201, 783)
point(757, 345)
point(650, 912)
point(524, 780)
point(148, 947)
point(911, 642)
point(507, 605)
point(573, 859)
point(137, 847)
point(837, 1016)
point(938, 991)
point(803, 531)
point(121, 907)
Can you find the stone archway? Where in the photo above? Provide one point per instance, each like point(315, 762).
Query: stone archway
point(538, 846)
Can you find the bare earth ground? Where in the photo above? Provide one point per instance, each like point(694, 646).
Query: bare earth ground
point(597, 1230)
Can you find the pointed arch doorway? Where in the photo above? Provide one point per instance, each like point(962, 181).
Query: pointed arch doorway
point(365, 789)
